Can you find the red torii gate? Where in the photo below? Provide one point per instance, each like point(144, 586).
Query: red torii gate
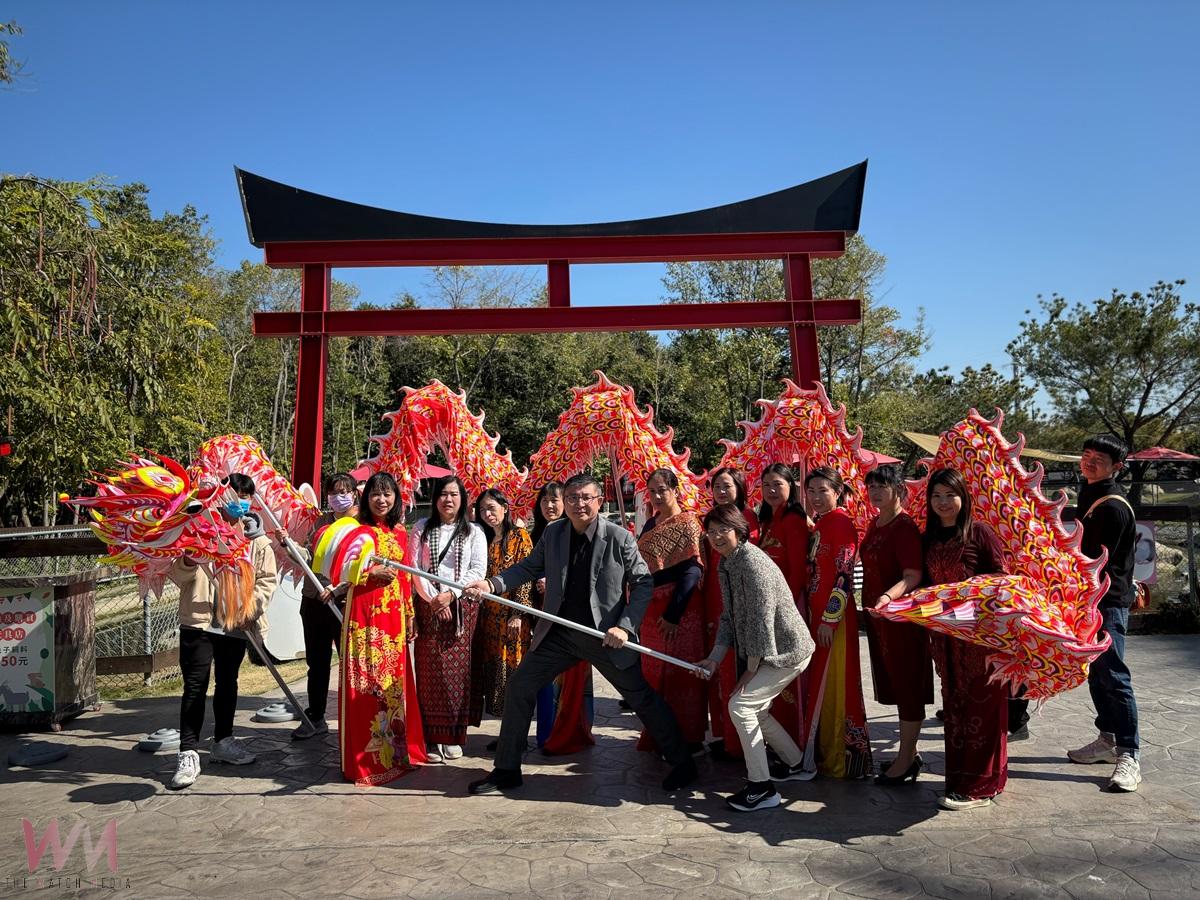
point(300, 229)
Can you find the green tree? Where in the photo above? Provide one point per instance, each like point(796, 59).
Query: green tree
point(718, 375)
point(1127, 362)
point(9, 68)
point(102, 346)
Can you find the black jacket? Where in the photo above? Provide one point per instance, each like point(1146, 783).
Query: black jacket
point(1111, 527)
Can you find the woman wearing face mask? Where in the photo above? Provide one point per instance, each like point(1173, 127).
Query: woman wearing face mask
point(446, 544)
point(783, 530)
point(837, 733)
point(976, 710)
point(379, 731)
point(729, 492)
point(564, 708)
point(674, 624)
point(322, 630)
point(501, 635)
point(900, 667)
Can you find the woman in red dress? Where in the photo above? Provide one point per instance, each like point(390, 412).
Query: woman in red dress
point(729, 491)
point(976, 711)
point(670, 545)
point(783, 531)
point(834, 699)
point(900, 668)
point(379, 732)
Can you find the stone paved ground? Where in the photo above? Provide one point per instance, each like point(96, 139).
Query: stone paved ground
point(596, 824)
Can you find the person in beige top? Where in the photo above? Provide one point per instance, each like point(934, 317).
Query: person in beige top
point(204, 646)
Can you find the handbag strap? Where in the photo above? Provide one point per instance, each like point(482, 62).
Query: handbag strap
point(1118, 497)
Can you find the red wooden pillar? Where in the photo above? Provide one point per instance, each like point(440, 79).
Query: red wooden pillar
point(310, 377)
point(558, 283)
point(797, 280)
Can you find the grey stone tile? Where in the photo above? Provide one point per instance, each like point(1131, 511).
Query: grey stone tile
point(672, 872)
point(838, 866)
point(608, 851)
point(507, 874)
point(955, 887)
point(971, 865)
point(757, 878)
point(550, 873)
point(883, 884)
point(1103, 883)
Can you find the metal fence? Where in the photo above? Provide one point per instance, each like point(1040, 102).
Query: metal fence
point(136, 632)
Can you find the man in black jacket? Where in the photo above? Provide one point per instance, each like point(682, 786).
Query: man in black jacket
point(588, 563)
point(1108, 524)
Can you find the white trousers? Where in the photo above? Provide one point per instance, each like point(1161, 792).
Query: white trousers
point(750, 712)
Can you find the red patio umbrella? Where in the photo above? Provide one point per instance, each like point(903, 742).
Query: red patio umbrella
point(879, 459)
point(1162, 453)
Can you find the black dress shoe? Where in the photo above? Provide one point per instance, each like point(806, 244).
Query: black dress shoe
point(680, 776)
point(498, 781)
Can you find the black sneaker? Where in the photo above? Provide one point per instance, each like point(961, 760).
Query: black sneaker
point(754, 796)
point(781, 771)
point(1021, 734)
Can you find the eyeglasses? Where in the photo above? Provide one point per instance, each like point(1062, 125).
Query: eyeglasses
point(580, 499)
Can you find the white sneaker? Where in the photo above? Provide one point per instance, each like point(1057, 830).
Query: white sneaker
point(229, 750)
point(959, 801)
point(303, 732)
point(1102, 750)
point(433, 752)
point(1127, 775)
point(187, 769)
point(452, 751)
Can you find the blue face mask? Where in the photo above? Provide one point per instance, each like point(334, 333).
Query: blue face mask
point(235, 509)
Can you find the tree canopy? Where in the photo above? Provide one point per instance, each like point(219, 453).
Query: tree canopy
point(118, 333)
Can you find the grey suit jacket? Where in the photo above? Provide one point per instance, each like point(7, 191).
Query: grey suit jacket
point(615, 562)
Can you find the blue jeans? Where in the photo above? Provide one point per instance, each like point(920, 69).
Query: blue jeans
point(1111, 685)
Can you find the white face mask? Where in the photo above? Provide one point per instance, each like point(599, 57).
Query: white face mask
point(339, 503)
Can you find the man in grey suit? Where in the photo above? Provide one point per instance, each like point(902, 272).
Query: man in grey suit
point(587, 562)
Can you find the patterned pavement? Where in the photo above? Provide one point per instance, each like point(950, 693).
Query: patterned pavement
point(597, 825)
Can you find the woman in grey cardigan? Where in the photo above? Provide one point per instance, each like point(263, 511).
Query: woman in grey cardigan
point(761, 622)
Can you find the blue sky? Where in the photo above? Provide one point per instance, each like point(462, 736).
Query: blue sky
point(1015, 149)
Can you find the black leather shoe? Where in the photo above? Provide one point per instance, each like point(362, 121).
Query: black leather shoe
point(500, 780)
point(680, 776)
point(912, 773)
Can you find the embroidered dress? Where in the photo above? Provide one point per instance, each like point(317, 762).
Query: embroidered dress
point(785, 540)
point(720, 686)
point(496, 655)
point(671, 547)
point(444, 648)
point(976, 711)
point(379, 732)
point(833, 696)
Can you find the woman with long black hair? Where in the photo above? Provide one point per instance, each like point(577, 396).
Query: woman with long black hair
point(446, 544)
point(502, 634)
point(976, 709)
point(380, 735)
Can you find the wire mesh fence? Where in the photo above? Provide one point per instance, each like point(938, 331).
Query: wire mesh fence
point(129, 623)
